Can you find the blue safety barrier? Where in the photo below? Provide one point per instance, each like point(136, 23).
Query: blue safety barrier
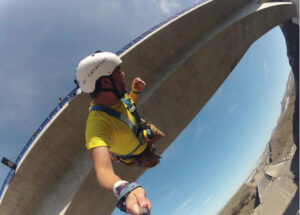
point(73, 93)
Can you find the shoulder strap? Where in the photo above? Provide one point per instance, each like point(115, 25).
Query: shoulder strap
point(125, 120)
point(132, 110)
point(117, 115)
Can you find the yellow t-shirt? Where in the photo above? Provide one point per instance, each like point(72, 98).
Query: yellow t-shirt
point(108, 131)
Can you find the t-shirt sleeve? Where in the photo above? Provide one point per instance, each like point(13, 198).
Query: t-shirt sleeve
point(97, 134)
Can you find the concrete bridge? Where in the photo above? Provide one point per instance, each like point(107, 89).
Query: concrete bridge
point(200, 46)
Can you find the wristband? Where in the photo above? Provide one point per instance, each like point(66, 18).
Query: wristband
point(135, 92)
point(124, 193)
point(118, 184)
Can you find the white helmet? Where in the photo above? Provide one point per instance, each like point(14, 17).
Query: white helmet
point(95, 66)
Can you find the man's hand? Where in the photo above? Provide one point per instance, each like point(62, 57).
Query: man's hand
point(138, 85)
point(135, 199)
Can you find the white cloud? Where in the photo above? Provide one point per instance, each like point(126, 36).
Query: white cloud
point(199, 209)
point(233, 103)
point(207, 200)
point(113, 4)
point(166, 6)
point(232, 108)
point(190, 207)
point(182, 207)
point(267, 70)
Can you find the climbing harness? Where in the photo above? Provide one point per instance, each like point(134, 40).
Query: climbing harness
point(143, 133)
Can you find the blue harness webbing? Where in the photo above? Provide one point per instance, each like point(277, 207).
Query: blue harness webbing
point(125, 120)
point(132, 110)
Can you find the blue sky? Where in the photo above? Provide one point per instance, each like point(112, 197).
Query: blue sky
point(41, 44)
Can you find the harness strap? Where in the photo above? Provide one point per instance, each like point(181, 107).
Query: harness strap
point(132, 110)
point(117, 115)
point(125, 120)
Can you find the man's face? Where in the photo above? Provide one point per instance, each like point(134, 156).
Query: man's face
point(119, 78)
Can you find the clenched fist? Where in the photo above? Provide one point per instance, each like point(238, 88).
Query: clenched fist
point(138, 84)
point(137, 200)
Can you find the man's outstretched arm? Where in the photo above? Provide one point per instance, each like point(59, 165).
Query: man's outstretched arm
point(103, 167)
point(107, 179)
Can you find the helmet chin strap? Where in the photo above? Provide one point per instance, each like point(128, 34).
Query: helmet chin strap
point(114, 90)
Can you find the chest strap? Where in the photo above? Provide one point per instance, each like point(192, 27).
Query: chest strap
point(125, 120)
point(132, 109)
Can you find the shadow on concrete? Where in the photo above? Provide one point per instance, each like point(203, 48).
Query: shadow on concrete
point(291, 34)
point(257, 199)
point(293, 207)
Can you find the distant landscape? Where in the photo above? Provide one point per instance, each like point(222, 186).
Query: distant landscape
point(243, 202)
point(279, 147)
point(282, 137)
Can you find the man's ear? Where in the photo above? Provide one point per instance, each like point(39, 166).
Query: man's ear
point(105, 80)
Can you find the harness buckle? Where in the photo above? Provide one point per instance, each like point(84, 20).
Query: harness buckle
point(132, 109)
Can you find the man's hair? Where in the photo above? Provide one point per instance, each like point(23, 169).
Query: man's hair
point(97, 90)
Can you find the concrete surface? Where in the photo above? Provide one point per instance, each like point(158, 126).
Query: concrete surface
point(281, 168)
point(279, 194)
point(57, 176)
point(277, 198)
point(263, 187)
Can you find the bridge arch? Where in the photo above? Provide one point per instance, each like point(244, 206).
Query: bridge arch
point(206, 50)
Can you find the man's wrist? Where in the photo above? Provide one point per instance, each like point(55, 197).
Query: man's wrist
point(124, 193)
point(136, 92)
point(118, 186)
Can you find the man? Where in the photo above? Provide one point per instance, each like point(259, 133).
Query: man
point(114, 129)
